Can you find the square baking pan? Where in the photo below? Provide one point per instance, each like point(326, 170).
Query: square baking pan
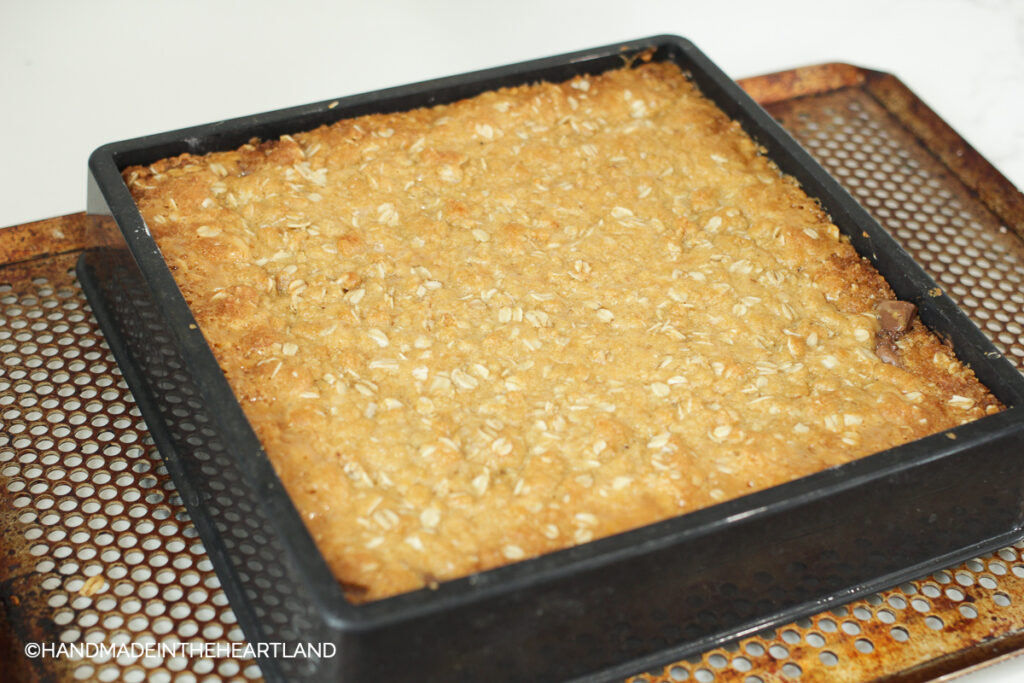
point(598, 611)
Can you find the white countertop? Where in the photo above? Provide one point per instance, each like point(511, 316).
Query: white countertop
point(76, 75)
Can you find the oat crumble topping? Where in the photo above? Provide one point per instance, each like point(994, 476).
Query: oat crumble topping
point(475, 333)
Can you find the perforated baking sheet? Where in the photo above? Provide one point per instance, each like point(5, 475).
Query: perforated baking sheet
point(96, 546)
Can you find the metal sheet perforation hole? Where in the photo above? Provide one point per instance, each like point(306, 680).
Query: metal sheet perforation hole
point(116, 554)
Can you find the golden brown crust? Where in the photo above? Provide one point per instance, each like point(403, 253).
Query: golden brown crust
point(487, 330)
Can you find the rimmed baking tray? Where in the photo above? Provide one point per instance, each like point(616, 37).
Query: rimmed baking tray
point(584, 612)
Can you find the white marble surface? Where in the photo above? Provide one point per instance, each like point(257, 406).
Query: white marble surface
point(75, 75)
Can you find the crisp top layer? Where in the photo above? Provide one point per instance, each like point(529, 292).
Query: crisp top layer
point(475, 333)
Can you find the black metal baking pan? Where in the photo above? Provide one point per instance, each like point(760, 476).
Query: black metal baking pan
point(602, 610)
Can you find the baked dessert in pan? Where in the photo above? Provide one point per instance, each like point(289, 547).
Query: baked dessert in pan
point(478, 332)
